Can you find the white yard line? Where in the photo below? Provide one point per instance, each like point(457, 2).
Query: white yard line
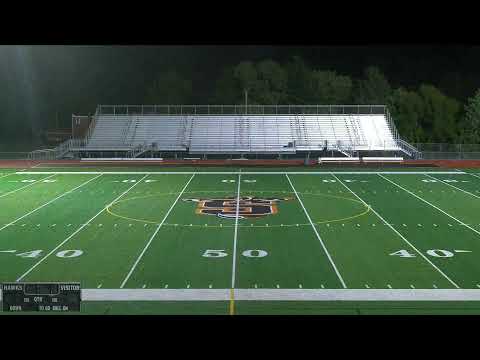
point(154, 234)
point(453, 186)
point(51, 201)
point(79, 229)
point(396, 232)
point(234, 260)
point(426, 202)
point(317, 234)
point(26, 186)
point(473, 175)
point(242, 172)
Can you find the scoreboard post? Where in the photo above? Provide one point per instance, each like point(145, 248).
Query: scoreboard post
point(41, 297)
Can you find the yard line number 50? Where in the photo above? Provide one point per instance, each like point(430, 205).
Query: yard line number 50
point(255, 253)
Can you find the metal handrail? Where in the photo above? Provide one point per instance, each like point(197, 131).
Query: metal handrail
point(238, 109)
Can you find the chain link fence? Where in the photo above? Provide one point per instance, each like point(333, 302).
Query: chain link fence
point(443, 151)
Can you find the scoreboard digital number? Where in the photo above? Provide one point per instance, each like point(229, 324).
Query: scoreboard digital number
point(43, 297)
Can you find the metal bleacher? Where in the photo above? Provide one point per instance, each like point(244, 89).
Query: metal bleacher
point(229, 130)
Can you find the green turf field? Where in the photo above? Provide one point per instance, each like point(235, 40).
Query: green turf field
point(241, 241)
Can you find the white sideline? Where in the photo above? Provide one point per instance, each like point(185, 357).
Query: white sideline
point(234, 260)
point(453, 186)
point(26, 186)
point(239, 172)
point(78, 230)
point(398, 233)
point(425, 201)
point(47, 203)
point(317, 234)
point(280, 294)
point(360, 294)
point(154, 234)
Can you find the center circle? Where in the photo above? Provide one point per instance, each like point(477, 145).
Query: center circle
point(358, 209)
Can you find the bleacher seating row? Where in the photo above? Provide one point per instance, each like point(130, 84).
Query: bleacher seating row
point(242, 133)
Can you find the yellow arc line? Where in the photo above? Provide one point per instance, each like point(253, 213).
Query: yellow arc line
point(227, 226)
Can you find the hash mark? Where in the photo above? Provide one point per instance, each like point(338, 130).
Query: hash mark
point(144, 286)
point(411, 285)
point(210, 286)
point(389, 286)
point(166, 286)
point(255, 286)
point(99, 286)
point(188, 286)
point(366, 285)
point(300, 286)
point(278, 286)
point(323, 287)
point(435, 286)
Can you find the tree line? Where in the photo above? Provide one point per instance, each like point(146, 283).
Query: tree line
point(421, 114)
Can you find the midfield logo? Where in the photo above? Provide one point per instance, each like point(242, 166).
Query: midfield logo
point(249, 206)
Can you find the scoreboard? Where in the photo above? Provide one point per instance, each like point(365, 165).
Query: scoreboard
point(44, 297)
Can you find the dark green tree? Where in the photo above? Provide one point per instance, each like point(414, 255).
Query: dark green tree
point(266, 83)
point(329, 88)
point(470, 127)
point(407, 110)
point(298, 83)
point(374, 88)
point(271, 85)
point(245, 75)
point(440, 116)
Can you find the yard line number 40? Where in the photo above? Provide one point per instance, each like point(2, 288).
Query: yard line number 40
point(440, 253)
